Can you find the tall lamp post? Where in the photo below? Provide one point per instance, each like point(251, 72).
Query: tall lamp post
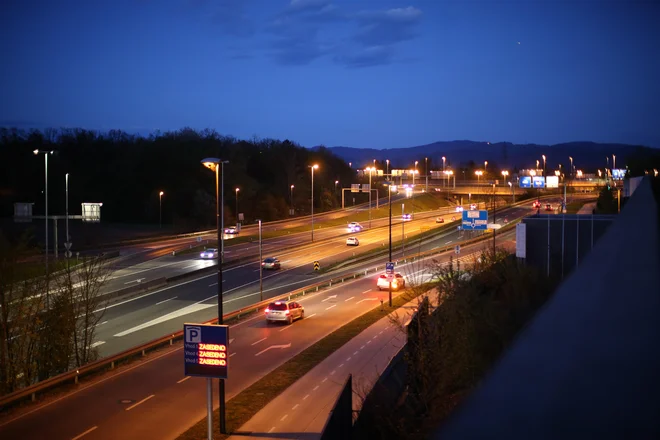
point(571, 170)
point(160, 209)
point(292, 207)
point(261, 266)
point(443, 169)
point(218, 165)
point(543, 157)
point(316, 167)
point(236, 191)
point(336, 183)
point(613, 162)
point(45, 153)
point(479, 173)
point(486, 167)
point(426, 173)
point(387, 166)
point(389, 201)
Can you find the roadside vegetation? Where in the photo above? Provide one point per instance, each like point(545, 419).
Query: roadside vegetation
point(481, 308)
point(47, 323)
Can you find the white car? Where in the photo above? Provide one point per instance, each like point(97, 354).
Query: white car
point(398, 282)
point(406, 217)
point(459, 209)
point(284, 311)
point(352, 241)
point(232, 230)
point(354, 227)
point(209, 254)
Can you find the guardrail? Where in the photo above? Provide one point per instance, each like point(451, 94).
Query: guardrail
point(111, 362)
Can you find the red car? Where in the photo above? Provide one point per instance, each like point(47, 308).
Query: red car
point(536, 205)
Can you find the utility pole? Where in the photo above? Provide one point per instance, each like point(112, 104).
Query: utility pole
point(403, 235)
point(261, 267)
point(494, 219)
point(389, 200)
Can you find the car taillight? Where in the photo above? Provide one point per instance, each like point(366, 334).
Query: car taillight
point(267, 311)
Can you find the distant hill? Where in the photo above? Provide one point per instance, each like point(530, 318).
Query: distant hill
point(586, 155)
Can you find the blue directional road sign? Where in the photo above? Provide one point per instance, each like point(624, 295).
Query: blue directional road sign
point(205, 350)
point(475, 220)
point(538, 181)
point(389, 267)
point(525, 182)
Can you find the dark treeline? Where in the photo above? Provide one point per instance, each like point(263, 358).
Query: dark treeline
point(126, 173)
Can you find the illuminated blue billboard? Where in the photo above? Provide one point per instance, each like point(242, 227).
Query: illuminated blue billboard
point(525, 182)
point(538, 182)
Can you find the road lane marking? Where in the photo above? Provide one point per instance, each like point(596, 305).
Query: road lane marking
point(361, 347)
point(285, 416)
point(139, 280)
point(84, 433)
point(306, 397)
point(316, 388)
point(104, 322)
point(274, 346)
point(165, 300)
point(349, 298)
point(324, 379)
point(347, 359)
point(369, 341)
point(307, 317)
point(285, 327)
point(184, 379)
point(232, 354)
point(449, 241)
point(231, 340)
point(184, 311)
point(139, 403)
point(96, 344)
point(331, 296)
point(295, 406)
point(355, 353)
point(271, 430)
point(332, 372)
point(341, 365)
point(331, 307)
point(366, 299)
point(260, 340)
point(367, 291)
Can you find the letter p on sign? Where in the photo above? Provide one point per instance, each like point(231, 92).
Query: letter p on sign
point(194, 334)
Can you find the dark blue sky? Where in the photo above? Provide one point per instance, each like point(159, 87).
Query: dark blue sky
point(360, 73)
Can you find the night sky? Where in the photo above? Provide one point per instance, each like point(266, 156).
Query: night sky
point(359, 73)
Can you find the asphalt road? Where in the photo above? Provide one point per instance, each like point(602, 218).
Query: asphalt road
point(152, 398)
point(131, 322)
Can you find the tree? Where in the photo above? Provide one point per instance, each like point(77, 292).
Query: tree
point(606, 203)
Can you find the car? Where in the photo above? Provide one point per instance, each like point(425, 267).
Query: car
point(398, 282)
point(354, 227)
point(352, 241)
point(287, 311)
point(440, 220)
point(548, 207)
point(473, 207)
point(536, 205)
point(406, 217)
point(459, 209)
point(209, 254)
point(232, 230)
point(271, 263)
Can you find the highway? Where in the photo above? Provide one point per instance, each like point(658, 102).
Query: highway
point(152, 399)
point(130, 322)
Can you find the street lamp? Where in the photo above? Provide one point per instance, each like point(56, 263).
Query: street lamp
point(389, 201)
point(479, 173)
point(571, 170)
point(236, 191)
point(292, 207)
point(613, 162)
point(426, 173)
point(537, 163)
point(513, 193)
point(387, 164)
point(261, 266)
point(46, 153)
point(160, 208)
point(486, 167)
point(543, 156)
point(314, 167)
point(443, 167)
point(336, 183)
point(369, 169)
point(218, 165)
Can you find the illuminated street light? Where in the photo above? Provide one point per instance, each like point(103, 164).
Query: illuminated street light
point(46, 153)
point(313, 167)
point(387, 164)
point(557, 172)
point(218, 166)
point(444, 159)
point(292, 207)
point(160, 208)
point(543, 156)
point(237, 190)
point(370, 169)
point(479, 173)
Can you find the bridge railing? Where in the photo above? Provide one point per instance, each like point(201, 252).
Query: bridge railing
point(587, 365)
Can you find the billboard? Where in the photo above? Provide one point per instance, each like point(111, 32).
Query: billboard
point(205, 350)
point(618, 174)
point(91, 212)
point(525, 182)
point(552, 182)
point(538, 182)
point(475, 220)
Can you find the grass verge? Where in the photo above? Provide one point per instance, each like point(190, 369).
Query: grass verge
point(250, 401)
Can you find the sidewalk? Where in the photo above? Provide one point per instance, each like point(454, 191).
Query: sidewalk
point(301, 411)
point(587, 209)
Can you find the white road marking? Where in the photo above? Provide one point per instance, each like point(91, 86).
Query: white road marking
point(232, 354)
point(260, 340)
point(341, 365)
point(324, 379)
point(316, 388)
point(366, 299)
point(347, 359)
point(349, 298)
point(184, 379)
point(184, 311)
point(306, 397)
point(285, 327)
point(449, 241)
point(104, 322)
point(164, 301)
point(139, 280)
point(271, 430)
point(332, 372)
point(295, 406)
point(84, 433)
point(139, 403)
point(331, 307)
point(231, 340)
point(367, 291)
point(285, 416)
point(307, 317)
point(361, 347)
point(355, 353)
point(274, 346)
point(369, 342)
point(331, 296)
point(96, 344)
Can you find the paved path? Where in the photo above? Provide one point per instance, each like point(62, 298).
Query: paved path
point(587, 209)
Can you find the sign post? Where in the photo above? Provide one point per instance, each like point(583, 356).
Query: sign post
point(317, 265)
point(475, 220)
point(205, 354)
